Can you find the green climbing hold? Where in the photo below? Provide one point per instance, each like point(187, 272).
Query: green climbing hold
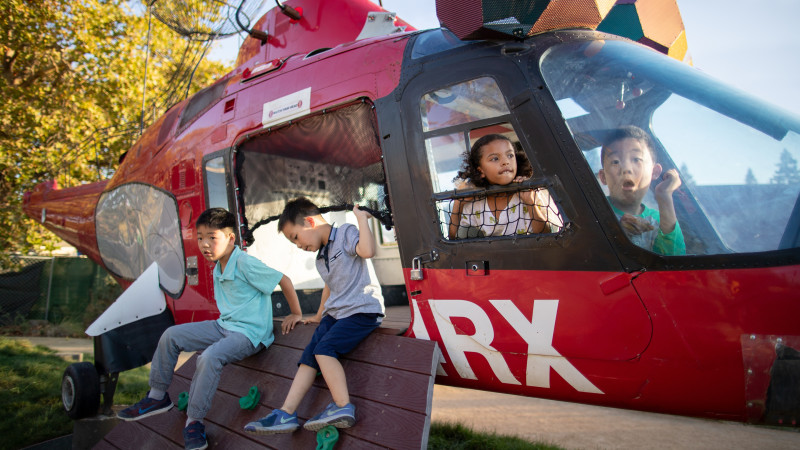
point(327, 437)
point(250, 401)
point(183, 400)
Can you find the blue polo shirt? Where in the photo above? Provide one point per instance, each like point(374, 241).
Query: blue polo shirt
point(244, 296)
point(353, 287)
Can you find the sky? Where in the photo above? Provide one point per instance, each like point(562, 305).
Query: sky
point(751, 45)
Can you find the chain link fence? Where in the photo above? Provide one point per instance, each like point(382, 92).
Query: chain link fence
point(54, 290)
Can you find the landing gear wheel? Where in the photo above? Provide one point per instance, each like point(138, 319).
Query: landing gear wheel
point(80, 390)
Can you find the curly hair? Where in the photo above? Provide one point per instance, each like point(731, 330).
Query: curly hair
point(471, 161)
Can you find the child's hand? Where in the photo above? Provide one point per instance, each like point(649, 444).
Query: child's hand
point(360, 213)
point(635, 226)
point(670, 181)
point(290, 321)
point(519, 179)
point(316, 318)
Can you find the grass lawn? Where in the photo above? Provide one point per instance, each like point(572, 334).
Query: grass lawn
point(30, 388)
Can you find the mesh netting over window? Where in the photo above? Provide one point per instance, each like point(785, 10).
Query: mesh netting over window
point(333, 159)
point(202, 20)
point(478, 214)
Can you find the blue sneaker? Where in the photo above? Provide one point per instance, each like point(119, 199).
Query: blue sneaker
point(278, 421)
point(194, 436)
point(337, 416)
point(145, 408)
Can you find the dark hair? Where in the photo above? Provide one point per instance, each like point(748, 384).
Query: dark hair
point(628, 131)
point(296, 211)
point(472, 160)
point(217, 218)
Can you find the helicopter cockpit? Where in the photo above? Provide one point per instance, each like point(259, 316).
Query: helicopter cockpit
point(736, 156)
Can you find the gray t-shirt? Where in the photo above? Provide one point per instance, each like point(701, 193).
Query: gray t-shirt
point(353, 289)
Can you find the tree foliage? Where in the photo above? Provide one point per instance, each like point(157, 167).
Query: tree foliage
point(787, 171)
point(750, 178)
point(687, 178)
point(71, 83)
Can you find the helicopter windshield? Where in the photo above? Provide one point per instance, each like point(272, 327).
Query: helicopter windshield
point(736, 156)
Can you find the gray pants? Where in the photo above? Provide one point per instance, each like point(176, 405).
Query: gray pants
point(219, 346)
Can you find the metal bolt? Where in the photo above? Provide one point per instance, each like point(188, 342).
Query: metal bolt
point(752, 337)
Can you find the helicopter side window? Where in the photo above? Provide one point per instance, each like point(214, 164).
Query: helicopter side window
point(472, 199)
point(736, 158)
point(215, 183)
point(137, 225)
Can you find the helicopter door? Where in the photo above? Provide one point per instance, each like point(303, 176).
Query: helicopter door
point(500, 284)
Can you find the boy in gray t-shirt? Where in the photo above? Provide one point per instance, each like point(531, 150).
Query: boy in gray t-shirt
point(350, 309)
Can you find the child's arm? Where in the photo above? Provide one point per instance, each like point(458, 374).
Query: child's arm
point(666, 208)
point(326, 292)
point(366, 241)
point(455, 219)
point(294, 305)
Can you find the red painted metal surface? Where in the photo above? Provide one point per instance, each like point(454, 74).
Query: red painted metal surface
point(323, 25)
point(697, 343)
point(688, 347)
point(166, 154)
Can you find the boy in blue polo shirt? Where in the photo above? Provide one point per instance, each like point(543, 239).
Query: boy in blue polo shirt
point(243, 287)
point(350, 309)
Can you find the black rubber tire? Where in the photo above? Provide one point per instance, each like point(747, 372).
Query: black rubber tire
point(80, 390)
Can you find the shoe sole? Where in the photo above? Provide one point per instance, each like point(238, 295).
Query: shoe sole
point(151, 413)
point(340, 422)
point(200, 448)
point(266, 431)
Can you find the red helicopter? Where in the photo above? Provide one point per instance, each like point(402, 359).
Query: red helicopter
point(344, 103)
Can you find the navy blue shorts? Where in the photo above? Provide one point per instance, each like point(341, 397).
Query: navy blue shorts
point(337, 337)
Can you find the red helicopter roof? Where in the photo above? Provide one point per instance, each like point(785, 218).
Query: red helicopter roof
point(322, 25)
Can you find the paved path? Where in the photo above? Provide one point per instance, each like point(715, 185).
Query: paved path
point(575, 426)
point(568, 425)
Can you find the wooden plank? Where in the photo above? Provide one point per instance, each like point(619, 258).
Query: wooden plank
point(387, 384)
point(377, 348)
point(134, 435)
point(395, 351)
point(228, 417)
point(224, 422)
point(104, 445)
point(298, 338)
point(390, 379)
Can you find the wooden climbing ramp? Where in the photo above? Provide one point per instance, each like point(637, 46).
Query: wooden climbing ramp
point(390, 379)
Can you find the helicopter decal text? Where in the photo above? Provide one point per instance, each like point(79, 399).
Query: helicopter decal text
point(537, 334)
point(288, 107)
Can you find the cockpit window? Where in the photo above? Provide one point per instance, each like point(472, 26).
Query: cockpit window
point(734, 156)
point(137, 225)
point(495, 194)
point(435, 41)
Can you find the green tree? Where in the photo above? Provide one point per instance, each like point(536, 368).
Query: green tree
point(750, 178)
point(688, 179)
point(71, 83)
point(787, 172)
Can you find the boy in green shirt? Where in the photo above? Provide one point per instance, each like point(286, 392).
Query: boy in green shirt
point(629, 167)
